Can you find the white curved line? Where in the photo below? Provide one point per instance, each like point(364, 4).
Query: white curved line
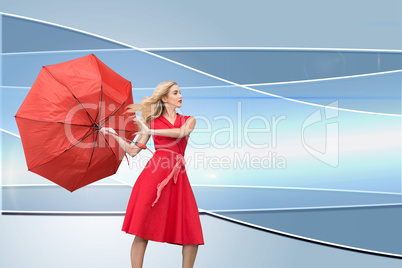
point(263, 84)
point(274, 231)
point(8, 132)
point(217, 86)
point(258, 84)
point(294, 188)
point(123, 183)
point(64, 51)
point(70, 212)
point(324, 79)
point(340, 246)
point(3, 86)
point(236, 210)
point(56, 185)
point(303, 208)
point(63, 212)
point(204, 73)
point(275, 48)
point(298, 236)
point(193, 48)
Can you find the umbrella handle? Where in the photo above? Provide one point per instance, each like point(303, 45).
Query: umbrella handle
point(141, 145)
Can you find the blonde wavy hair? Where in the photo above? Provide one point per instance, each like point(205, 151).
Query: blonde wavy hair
point(151, 107)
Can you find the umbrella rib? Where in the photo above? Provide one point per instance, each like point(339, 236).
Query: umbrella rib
point(71, 124)
point(123, 130)
point(62, 82)
point(51, 121)
point(110, 147)
point(107, 118)
point(89, 163)
point(86, 135)
point(100, 102)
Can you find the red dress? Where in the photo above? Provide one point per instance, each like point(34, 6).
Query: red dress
point(162, 206)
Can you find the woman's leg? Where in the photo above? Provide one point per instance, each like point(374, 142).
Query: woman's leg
point(138, 251)
point(189, 254)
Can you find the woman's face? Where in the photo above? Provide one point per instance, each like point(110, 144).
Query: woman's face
point(174, 97)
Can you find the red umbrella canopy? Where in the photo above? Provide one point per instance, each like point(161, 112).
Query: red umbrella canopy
point(60, 118)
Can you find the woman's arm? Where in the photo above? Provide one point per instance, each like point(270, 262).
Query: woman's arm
point(183, 131)
point(141, 139)
point(132, 150)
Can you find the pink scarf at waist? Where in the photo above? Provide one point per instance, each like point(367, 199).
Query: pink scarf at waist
point(173, 174)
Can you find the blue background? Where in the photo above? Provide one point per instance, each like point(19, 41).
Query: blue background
point(233, 62)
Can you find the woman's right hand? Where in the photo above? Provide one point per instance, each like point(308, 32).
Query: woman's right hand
point(143, 129)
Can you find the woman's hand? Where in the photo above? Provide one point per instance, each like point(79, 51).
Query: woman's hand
point(108, 131)
point(143, 129)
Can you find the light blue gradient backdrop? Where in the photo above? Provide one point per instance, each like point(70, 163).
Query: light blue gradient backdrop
point(369, 152)
point(369, 137)
point(311, 23)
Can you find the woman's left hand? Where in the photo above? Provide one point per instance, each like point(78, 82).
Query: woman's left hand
point(107, 131)
point(143, 129)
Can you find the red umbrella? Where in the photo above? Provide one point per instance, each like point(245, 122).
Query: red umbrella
point(60, 118)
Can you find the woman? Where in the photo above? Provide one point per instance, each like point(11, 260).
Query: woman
point(162, 206)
